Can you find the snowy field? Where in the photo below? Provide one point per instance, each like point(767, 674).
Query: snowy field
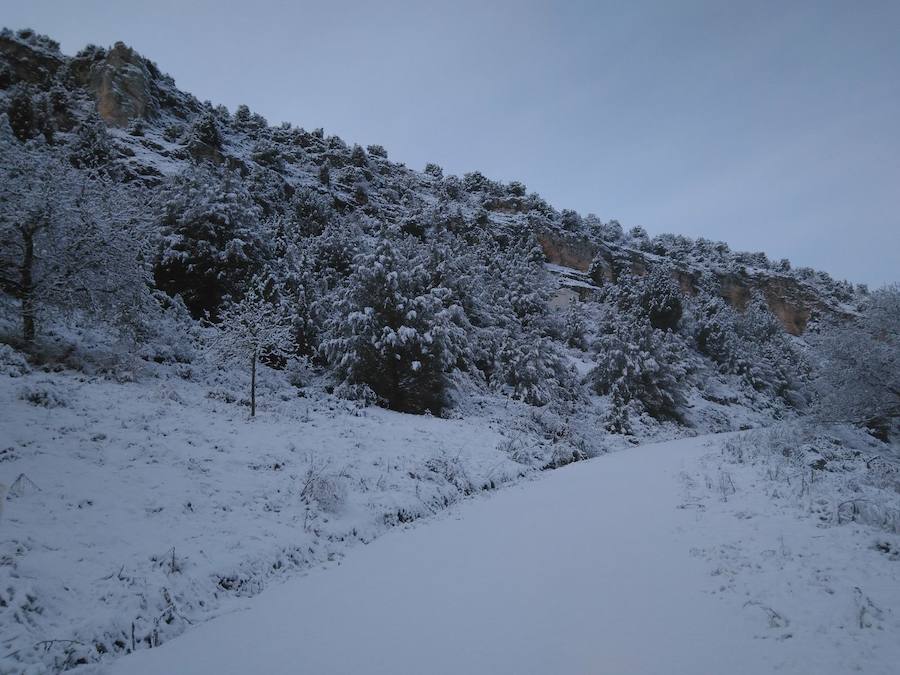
point(626, 564)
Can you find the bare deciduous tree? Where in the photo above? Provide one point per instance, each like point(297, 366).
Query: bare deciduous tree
point(69, 240)
point(250, 329)
point(860, 377)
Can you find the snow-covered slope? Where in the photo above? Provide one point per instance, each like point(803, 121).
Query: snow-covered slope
point(627, 564)
point(138, 509)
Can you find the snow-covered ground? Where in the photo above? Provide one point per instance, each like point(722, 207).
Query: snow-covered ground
point(141, 510)
point(633, 562)
point(138, 509)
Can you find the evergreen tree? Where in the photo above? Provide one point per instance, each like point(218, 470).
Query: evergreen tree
point(211, 243)
point(204, 132)
point(21, 113)
point(639, 363)
point(532, 366)
point(358, 156)
point(394, 333)
point(660, 299)
point(92, 148)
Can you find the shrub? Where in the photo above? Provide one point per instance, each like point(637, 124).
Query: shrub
point(639, 363)
point(43, 395)
point(326, 490)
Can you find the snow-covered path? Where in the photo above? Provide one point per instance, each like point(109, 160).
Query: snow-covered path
point(585, 570)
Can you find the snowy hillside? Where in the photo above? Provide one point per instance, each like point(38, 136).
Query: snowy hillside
point(230, 352)
point(140, 509)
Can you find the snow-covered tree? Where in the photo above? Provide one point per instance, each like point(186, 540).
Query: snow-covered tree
point(574, 329)
point(636, 362)
point(655, 297)
point(252, 328)
point(92, 148)
point(70, 241)
point(21, 113)
point(204, 132)
point(660, 299)
point(393, 332)
point(358, 156)
point(859, 379)
point(212, 241)
point(751, 344)
point(533, 367)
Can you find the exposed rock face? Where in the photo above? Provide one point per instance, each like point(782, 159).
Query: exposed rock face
point(29, 63)
point(576, 253)
point(735, 291)
point(124, 87)
point(792, 307)
point(789, 300)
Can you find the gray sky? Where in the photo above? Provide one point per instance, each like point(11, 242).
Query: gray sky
point(773, 126)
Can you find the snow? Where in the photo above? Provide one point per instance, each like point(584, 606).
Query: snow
point(570, 277)
point(627, 563)
point(156, 501)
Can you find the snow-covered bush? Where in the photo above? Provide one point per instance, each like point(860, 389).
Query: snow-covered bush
point(840, 473)
point(519, 450)
point(325, 489)
point(43, 394)
point(12, 362)
point(451, 469)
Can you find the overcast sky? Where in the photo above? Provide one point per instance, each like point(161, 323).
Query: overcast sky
point(773, 126)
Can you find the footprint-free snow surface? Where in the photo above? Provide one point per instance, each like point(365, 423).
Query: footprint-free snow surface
point(629, 563)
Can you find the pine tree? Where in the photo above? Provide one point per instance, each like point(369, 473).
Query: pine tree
point(211, 244)
point(204, 133)
point(92, 148)
point(358, 156)
point(21, 113)
point(660, 299)
point(639, 363)
point(533, 368)
point(394, 333)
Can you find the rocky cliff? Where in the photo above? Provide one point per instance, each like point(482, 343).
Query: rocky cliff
point(155, 130)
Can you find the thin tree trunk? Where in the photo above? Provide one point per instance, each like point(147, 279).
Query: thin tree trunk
point(253, 386)
point(27, 288)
